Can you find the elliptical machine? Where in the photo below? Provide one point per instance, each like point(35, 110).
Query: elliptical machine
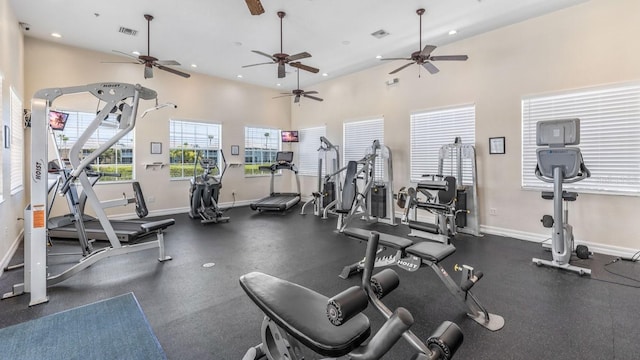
point(205, 190)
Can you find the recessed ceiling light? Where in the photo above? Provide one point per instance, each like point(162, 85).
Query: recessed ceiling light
point(346, 42)
point(194, 65)
point(239, 76)
point(453, 32)
point(278, 84)
point(378, 56)
point(136, 53)
point(325, 74)
point(56, 35)
point(237, 43)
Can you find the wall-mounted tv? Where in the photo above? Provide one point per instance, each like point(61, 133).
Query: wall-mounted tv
point(289, 136)
point(57, 120)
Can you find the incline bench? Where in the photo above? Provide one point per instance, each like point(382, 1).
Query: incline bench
point(411, 256)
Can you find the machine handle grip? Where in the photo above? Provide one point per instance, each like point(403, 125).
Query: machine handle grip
point(346, 305)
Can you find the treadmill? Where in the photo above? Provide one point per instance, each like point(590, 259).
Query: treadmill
point(277, 201)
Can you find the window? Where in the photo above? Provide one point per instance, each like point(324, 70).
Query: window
point(433, 128)
point(308, 150)
point(117, 159)
point(261, 146)
point(16, 143)
point(358, 136)
point(190, 140)
point(609, 136)
point(4, 135)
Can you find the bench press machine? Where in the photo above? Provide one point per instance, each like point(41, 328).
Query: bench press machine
point(298, 320)
point(411, 256)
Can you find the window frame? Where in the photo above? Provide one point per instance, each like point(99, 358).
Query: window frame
point(217, 148)
point(250, 147)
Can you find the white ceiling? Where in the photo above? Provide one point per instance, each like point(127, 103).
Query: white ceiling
point(218, 35)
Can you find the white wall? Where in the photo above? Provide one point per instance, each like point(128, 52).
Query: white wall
point(12, 72)
point(590, 44)
point(202, 98)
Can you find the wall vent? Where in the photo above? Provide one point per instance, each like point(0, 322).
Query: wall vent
point(380, 34)
point(128, 31)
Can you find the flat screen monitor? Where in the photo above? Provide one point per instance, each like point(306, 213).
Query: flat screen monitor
point(290, 136)
point(57, 120)
point(284, 156)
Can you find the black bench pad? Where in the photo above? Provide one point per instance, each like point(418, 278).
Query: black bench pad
point(302, 313)
point(388, 240)
point(431, 251)
point(422, 226)
point(157, 225)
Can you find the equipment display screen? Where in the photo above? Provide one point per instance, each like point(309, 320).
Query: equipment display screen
point(284, 156)
point(289, 136)
point(57, 120)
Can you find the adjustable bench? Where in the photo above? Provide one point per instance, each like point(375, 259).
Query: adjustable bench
point(411, 256)
point(159, 227)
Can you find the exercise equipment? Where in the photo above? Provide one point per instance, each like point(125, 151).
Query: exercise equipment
point(412, 256)
point(367, 192)
point(336, 327)
point(329, 186)
point(120, 99)
point(559, 164)
point(451, 196)
point(277, 201)
point(205, 190)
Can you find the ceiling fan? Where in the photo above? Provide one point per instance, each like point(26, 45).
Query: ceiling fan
point(423, 57)
point(149, 61)
point(297, 93)
point(255, 7)
point(281, 58)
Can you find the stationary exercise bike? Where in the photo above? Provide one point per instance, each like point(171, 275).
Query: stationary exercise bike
point(559, 164)
point(205, 190)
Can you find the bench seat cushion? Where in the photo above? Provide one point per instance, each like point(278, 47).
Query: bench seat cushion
point(431, 251)
point(302, 313)
point(388, 240)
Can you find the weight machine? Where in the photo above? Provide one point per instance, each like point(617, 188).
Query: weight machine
point(373, 199)
point(450, 196)
point(329, 186)
point(559, 164)
point(121, 99)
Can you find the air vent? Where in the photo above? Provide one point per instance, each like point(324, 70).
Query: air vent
point(128, 31)
point(379, 34)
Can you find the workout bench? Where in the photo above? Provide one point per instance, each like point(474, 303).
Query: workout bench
point(411, 256)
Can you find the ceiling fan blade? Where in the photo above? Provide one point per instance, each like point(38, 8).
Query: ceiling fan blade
point(449, 57)
point(396, 59)
point(281, 71)
point(309, 92)
point(304, 67)
point(295, 57)
point(173, 71)
point(148, 72)
point(428, 49)
point(167, 62)
point(312, 97)
point(264, 54)
point(296, 99)
point(127, 55)
point(265, 63)
point(255, 7)
point(286, 95)
point(400, 68)
point(430, 67)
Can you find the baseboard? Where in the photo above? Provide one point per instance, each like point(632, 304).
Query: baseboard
point(173, 211)
point(538, 238)
point(12, 251)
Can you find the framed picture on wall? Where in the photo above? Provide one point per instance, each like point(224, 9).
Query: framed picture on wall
point(496, 145)
point(235, 149)
point(156, 147)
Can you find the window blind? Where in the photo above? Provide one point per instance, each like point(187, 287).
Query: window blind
point(433, 128)
point(17, 142)
point(609, 136)
point(358, 137)
point(308, 150)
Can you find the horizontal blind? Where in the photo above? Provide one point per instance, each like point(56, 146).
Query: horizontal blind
point(308, 150)
point(17, 142)
point(432, 129)
point(5, 135)
point(358, 137)
point(609, 136)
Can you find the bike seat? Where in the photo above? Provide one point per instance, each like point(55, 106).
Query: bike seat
point(302, 313)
